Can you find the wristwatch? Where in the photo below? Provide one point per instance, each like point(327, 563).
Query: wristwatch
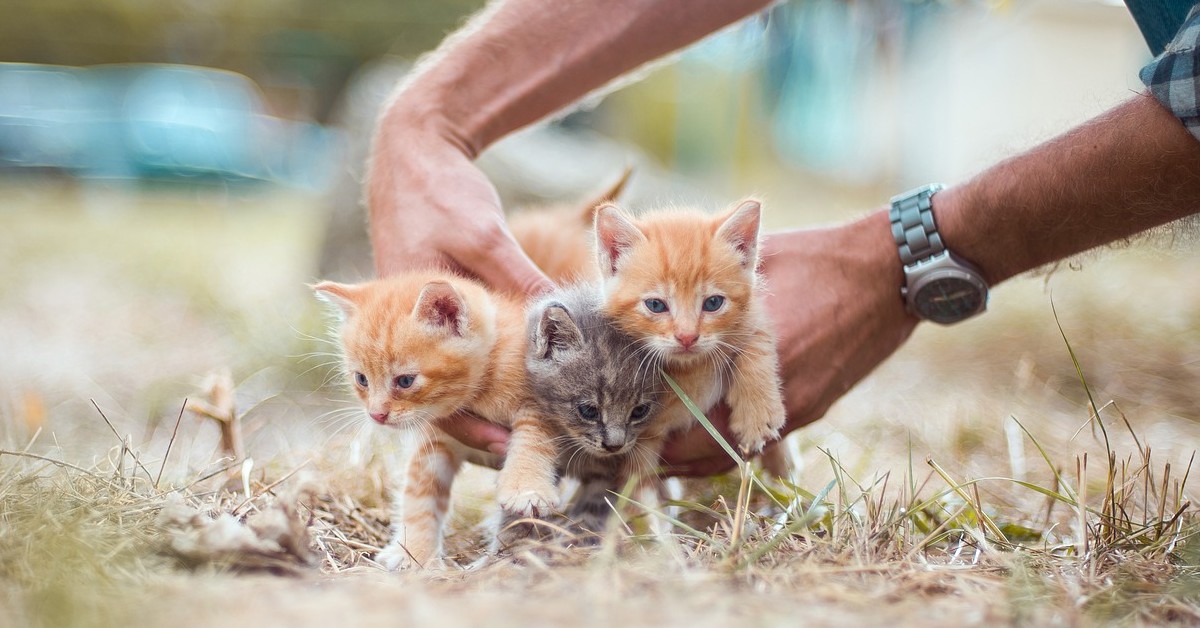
point(938, 285)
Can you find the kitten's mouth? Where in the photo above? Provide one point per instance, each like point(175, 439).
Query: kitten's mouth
point(688, 353)
point(601, 452)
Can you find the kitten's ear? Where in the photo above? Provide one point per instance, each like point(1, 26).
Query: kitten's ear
point(615, 235)
point(740, 229)
point(556, 332)
point(611, 195)
point(440, 305)
point(342, 296)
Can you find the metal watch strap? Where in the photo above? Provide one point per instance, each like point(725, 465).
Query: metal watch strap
point(912, 224)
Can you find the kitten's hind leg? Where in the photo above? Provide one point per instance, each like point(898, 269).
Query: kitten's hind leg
point(590, 509)
point(420, 507)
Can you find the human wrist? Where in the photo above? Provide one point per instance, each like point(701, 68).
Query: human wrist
point(939, 285)
point(952, 208)
point(417, 114)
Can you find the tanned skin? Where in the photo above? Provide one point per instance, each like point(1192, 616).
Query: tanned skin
point(835, 300)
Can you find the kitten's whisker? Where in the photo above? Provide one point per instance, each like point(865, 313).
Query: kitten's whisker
point(313, 354)
point(648, 360)
point(317, 366)
point(307, 336)
point(335, 416)
point(346, 419)
point(563, 440)
point(730, 362)
point(642, 460)
point(577, 449)
point(358, 432)
point(334, 425)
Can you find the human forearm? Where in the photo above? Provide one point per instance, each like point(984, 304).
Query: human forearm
point(1130, 169)
point(835, 292)
point(523, 59)
point(513, 64)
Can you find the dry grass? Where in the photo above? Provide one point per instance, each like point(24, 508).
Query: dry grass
point(996, 495)
point(81, 546)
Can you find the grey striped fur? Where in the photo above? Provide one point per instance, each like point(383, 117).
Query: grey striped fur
point(577, 357)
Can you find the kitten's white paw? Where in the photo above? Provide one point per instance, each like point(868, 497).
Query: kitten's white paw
point(528, 501)
point(394, 557)
point(754, 427)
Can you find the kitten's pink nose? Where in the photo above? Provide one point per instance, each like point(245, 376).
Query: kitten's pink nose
point(379, 417)
point(687, 340)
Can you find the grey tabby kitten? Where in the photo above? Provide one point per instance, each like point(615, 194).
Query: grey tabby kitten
point(601, 389)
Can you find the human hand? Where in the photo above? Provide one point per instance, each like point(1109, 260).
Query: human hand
point(834, 300)
point(476, 433)
point(431, 207)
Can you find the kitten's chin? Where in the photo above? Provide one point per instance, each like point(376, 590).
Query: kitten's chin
point(679, 355)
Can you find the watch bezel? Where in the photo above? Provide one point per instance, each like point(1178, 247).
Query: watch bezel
point(945, 265)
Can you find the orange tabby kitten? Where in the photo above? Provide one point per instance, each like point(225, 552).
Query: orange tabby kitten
point(558, 240)
point(422, 346)
point(688, 285)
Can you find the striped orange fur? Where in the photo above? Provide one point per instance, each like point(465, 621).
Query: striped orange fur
point(419, 347)
point(688, 284)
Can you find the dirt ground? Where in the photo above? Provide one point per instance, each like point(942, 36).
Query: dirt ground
point(116, 304)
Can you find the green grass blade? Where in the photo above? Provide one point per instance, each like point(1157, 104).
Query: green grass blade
point(717, 436)
point(699, 414)
point(673, 521)
point(1082, 380)
point(803, 522)
point(982, 516)
point(1045, 456)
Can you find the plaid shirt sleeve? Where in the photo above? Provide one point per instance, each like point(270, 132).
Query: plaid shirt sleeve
point(1174, 76)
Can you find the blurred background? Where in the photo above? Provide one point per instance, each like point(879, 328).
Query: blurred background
point(172, 174)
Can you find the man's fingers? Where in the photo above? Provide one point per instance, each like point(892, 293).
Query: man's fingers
point(475, 433)
point(697, 443)
point(703, 467)
point(504, 266)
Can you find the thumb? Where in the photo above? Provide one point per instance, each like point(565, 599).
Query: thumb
point(701, 468)
point(475, 432)
point(692, 445)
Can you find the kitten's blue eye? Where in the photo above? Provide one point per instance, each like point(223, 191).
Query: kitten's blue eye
point(405, 381)
point(714, 303)
point(588, 411)
point(658, 306)
point(640, 412)
point(360, 379)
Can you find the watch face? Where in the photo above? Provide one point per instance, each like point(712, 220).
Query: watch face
point(948, 300)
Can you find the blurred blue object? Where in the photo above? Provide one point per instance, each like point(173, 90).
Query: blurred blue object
point(40, 116)
point(155, 121)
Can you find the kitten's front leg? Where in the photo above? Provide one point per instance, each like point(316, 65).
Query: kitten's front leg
point(526, 485)
point(755, 401)
point(419, 509)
